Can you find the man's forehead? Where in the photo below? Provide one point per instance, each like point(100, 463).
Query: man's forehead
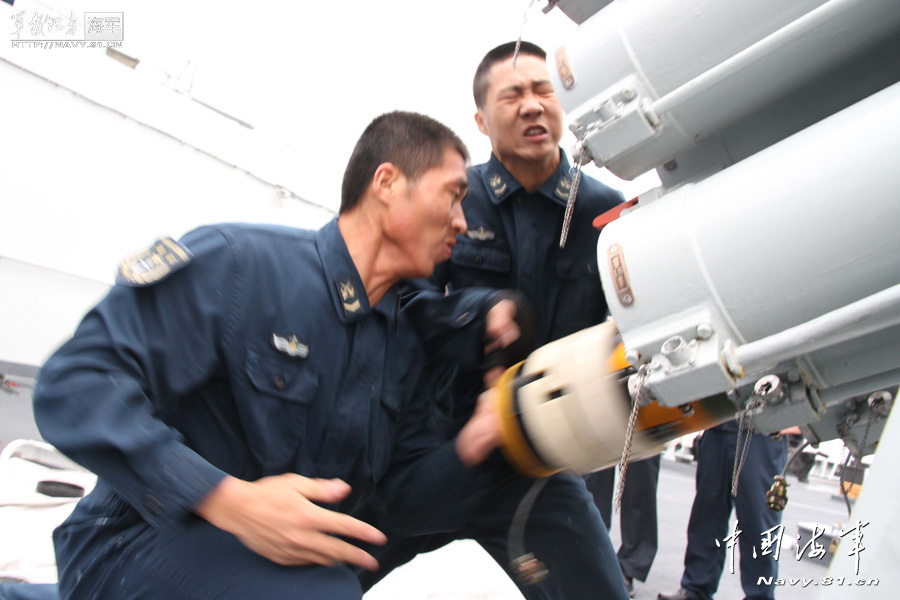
point(454, 158)
point(528, 69)
point(452, 167)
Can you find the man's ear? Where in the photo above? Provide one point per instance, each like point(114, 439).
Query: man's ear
point(479, 120)
point(384, 182)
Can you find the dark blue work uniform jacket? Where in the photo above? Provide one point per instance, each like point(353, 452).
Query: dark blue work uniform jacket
point(513, 242)
point(166, 388)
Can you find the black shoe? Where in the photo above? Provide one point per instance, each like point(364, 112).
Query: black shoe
point(629, 585)
point(681, 594)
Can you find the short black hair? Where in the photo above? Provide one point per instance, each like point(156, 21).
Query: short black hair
point(410, 141)
point(501, 52)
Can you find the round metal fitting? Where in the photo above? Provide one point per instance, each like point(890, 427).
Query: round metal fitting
point(880, 403)
point(676, 350)
point(687, 410)
point(769, 389)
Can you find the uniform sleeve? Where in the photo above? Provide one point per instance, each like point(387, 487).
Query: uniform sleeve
point(103, 396)
point(408, 497)
point(450, 325)
point(426, 473)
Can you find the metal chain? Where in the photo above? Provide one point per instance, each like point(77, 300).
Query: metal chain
point(521, 31)
point(844, 467)
point(629, 435)
point(570, 202)
point(862, 449)
point(740, 455)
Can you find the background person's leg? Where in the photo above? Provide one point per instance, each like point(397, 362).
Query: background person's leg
point(638, 519)
point(765, 459)
point(601, 485)
point(703, 560)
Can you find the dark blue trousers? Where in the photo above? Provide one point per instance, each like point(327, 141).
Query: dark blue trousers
point(703, 560)
point(28, 591)
point(564, 531)
point(196, 562)
point(638, 517)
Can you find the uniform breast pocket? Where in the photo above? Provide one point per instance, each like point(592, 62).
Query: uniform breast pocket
point(479, 264)
point(277, 412)
point(581, 302)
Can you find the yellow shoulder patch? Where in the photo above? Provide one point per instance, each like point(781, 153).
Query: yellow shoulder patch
point(154, 264)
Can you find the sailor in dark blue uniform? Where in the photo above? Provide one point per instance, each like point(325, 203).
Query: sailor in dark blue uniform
point(240, 393)
point(515, 211)
point(704, 558)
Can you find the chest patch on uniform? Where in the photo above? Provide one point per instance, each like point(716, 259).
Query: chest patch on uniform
point(481, 234)
point(498, 186)
point(563, 187)
point(347, 290)
point(154, 264)
point(290, 344)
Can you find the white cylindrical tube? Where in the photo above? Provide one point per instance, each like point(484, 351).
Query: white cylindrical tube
point(799, 230)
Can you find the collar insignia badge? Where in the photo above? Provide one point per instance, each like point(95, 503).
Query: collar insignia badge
point(563, 187)
point(497, 184)
point(348, 295)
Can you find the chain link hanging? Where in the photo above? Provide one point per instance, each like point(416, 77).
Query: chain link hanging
point(740, 454)
point(570, 202)
point(521, 31)
point(629, 436)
